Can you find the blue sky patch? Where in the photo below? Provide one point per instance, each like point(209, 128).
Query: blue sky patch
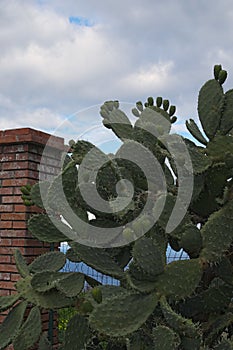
point(80, 21)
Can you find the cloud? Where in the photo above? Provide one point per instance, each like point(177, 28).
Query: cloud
point(61, 57)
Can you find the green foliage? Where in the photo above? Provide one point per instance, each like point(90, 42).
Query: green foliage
point(158, 305)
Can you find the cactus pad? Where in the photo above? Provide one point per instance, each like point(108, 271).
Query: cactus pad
point(30, 331)
point(123, 314)
point(11, 324)
point(52, 261)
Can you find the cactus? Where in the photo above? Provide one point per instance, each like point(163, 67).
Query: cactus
point(195, 131)
point(78, 324)
point(52, 261)
point(137, 308)
point(10, 326)
point(21, 263)
point(44, 344)
point(8, 301)
point(30, 331)
point(165, 338)
point(185, 304)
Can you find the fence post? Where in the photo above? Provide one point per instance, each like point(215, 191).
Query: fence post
point(21, 156)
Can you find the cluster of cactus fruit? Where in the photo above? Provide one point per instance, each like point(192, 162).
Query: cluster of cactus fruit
point(184, 304)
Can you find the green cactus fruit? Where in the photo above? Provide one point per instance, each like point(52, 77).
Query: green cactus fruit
point(150, 101)
point(71, 143)
point(210, 103)
point(136, 112)
point(44, 343)
point(172, 110)
point(159, 101)
point(25, 190)
point(165, 338)
point(28, 203)
point(6, 301)
point(222, 76)
point(112, 319)
point(30, 331)
point(97, 294)
point(195, 131)
point(173, 119)
point(26, 197)
point(77, 333)
point(175, 282)
point(21, 263)
point(116, 104)
point(11, 324)
point(166, 104)
point(139, 106)
point(51, 261)
point(217, 69)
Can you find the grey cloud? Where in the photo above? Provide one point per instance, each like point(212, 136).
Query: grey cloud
point(51, 67)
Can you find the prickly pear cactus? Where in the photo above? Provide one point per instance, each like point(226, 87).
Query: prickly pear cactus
point(185, 304)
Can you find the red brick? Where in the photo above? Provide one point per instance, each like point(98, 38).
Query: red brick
point(13, 216)
point(8, 268)
point(15, 182)
point(15, 165)
point(5, 276)
point(5, 259)
point(7, 285)
point(12, 199)
point(15, 277)
point(30, 174)
point(6, 251)
point(5, 242)
point(19, 224)
point(13, 233)
point(6, 190)
point(18, 242)
point(7, 157)
point(6, 208)
point(15, 148)
point(5, 224)
point(21, 208)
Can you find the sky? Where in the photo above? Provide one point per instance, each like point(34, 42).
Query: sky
point(60, 60)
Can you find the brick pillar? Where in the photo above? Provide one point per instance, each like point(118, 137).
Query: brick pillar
point(21, 156)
